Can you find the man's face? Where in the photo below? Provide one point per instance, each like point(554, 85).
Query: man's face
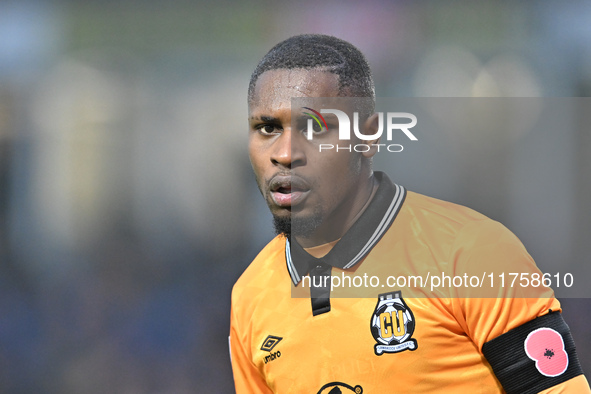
point(316, 190)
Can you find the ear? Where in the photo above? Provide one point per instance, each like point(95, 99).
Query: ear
point(370, 126)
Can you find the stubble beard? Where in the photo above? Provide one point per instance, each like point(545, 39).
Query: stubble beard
point(300, 226)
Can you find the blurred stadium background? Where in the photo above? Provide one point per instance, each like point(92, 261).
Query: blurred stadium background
point(127, 204)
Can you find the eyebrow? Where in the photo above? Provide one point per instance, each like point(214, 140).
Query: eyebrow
point(265, 118)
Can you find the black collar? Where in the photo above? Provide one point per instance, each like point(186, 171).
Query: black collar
point(361, 237)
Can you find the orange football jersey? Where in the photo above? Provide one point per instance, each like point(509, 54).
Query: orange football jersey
point(290, 334)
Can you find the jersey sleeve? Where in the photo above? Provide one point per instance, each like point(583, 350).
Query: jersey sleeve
point(247, 378)
point(578, 384)
point(517, 326)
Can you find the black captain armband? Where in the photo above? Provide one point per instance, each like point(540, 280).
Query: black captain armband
point(535, 356)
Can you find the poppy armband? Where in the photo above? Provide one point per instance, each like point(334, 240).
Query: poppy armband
point(534, 356)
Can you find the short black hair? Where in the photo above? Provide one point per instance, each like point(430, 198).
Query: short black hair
point(332, 54)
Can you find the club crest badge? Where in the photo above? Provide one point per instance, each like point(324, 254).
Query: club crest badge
point(392, 324)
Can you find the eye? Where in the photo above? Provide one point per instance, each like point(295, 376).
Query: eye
point(316, 127)
point(266, 129)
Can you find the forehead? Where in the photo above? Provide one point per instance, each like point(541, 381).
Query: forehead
point(275, 88)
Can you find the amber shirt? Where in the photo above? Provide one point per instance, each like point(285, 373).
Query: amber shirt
point(387, 339)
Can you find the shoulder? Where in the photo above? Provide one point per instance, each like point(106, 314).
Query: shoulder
point(439, 210)
point(461, 237)
point(451, 220)
point(259, 288)
point(268, 263)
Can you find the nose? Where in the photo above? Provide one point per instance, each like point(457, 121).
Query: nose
point(287, 151)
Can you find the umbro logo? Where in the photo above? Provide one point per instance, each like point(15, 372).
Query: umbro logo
point(268, 344)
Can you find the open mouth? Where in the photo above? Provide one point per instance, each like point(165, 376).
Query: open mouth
point(288, 191)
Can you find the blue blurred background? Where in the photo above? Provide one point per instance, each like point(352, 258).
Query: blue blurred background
point(127, 204)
